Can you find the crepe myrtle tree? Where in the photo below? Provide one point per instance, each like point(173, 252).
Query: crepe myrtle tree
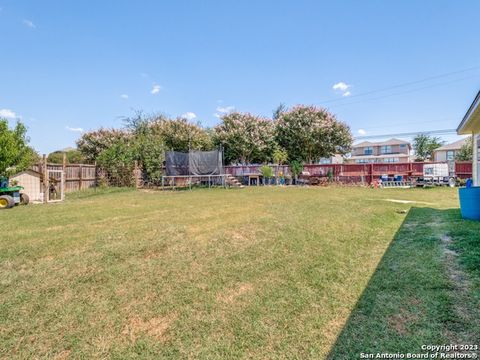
point(92, 143)
point(245, 138)
point(309, 133)
point(181, 135)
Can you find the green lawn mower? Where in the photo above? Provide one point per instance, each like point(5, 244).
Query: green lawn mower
point(10, 195)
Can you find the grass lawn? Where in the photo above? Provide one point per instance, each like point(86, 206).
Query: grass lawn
point(255, 273)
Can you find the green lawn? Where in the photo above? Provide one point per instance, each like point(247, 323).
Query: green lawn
point(260, 273)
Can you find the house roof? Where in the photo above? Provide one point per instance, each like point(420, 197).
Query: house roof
point(392, 141)
point(471, 121)
point(457, 145)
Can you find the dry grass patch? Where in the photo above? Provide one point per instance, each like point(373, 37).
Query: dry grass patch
point(233, 294)
point(156, 327)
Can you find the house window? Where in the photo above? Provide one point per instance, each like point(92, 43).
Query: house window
point(386, 149)
point(403, 146)
point(450, 155)
point(325, 161)
point(391, 160)
point(368, 150)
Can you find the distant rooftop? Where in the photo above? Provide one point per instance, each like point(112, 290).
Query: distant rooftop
point(67, 149)
point(453, 146)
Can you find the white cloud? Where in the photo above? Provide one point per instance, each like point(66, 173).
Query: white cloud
point(189, 115)
point(156, 89)
point(226, 109)
point(222, 110)
point(29, 23)
point(73, 129)
point(7, 113)
point(341, 86)
point(361, 132)
point(124, 96)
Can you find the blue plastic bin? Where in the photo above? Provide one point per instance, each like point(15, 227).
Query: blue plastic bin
point(470, 202)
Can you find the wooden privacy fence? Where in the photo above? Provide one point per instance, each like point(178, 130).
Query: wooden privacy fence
point(76, 176)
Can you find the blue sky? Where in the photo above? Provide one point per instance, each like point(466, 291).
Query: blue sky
point(71, 65)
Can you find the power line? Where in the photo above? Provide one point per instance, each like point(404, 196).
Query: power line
point(401, 85)
point(410, 123)
point(431, 132)
point(405, 92)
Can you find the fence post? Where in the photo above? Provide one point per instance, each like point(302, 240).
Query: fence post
point(45, 178)
point(371, 174)
point(95, 181)
point(80, 185)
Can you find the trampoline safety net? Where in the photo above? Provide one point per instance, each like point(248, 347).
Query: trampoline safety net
point(194, 163)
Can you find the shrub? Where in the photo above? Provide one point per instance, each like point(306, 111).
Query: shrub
point(296, 168)
point(266, 171)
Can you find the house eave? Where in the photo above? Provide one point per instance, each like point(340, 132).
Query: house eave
point(471, 121)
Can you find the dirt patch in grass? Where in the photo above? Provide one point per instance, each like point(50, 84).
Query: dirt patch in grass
point(65, 354)
point(156, 327)
point(458, 277)
point(401, 321)
point(231, 295)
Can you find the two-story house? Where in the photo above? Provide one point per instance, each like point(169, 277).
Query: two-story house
point(390, 151)
point(448, 152)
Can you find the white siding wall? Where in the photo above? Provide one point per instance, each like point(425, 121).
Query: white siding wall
point(30, 183)
point(476, 159)
point(440, 155)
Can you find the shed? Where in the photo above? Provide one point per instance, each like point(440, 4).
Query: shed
point(31, 182)
point(470, 125)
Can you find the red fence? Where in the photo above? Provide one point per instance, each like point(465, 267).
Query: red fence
point(463, 169)
point(354, 173)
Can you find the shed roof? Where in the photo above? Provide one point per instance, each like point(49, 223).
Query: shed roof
point(29, 172)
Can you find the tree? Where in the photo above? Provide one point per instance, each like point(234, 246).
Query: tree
point(466, 151)
point(92, 143)
point(245, 138)
point(180, 135)
point(424, 145)
point(73, 157)
point(279, 110)
point(309, 133)
point(15, 154)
